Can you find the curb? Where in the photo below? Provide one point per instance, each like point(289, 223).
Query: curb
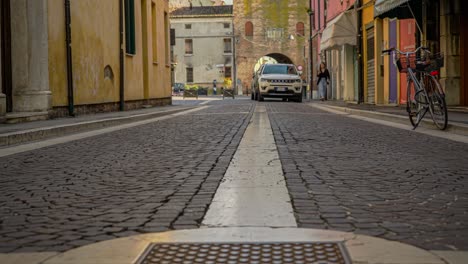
point(17, 137)
point(453, 127)
point(358, 248)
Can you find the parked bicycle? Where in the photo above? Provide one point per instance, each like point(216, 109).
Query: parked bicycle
point(424, 92)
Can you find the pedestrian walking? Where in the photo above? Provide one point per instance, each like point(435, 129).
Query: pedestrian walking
point(214, 87)
point(322, 81)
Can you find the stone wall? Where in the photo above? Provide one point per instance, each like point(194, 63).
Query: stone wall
point(274, 33)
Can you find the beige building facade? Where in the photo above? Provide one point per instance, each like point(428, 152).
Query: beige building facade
point(203, 51)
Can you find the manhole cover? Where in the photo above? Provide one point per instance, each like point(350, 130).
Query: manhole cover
point(218, 253)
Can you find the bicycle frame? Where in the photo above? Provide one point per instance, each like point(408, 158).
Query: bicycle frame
point(423, 104)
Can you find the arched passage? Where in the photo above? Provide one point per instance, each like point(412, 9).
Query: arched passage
point(280, 58)
point(272, 58)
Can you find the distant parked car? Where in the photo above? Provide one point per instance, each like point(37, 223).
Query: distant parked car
point(277, 81)
point(178, 88)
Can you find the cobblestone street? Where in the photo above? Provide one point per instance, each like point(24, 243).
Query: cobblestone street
point(341, 173)
point(350, 175)
point(145, 179)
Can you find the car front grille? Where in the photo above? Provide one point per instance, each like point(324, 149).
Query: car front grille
point(281, 81)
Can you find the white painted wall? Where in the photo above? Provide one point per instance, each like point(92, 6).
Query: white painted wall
point(348, 64)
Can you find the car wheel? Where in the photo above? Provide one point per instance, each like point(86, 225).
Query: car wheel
point(299, 99)
point(252, 97)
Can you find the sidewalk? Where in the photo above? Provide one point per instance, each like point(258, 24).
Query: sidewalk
point(457, 124)
point(11, 134)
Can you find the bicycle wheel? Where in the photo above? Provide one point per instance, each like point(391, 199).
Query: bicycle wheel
point(437, 104)
point(415, 104)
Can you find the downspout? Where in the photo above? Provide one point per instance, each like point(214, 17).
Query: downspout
point(311, 61)
point(71, 107)
point(121, 51)
point(234, 61)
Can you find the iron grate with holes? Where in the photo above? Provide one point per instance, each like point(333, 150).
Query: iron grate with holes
point(271, 252)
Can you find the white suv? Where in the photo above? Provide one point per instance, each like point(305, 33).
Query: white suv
point(277, 81)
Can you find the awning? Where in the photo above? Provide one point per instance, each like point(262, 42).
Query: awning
point(382, 6)
point(340, 31)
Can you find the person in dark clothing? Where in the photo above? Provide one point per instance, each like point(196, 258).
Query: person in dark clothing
point(214, 87)
point(322, 81)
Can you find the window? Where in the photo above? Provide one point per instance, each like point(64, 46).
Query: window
point(188, 26)
point(248, 29)
point(227, 25)
point(190, 75)
point(188, 47)
point(300, 29)
point(227, 45)
point(130, 27)
point(227, 72)
point(154, 32)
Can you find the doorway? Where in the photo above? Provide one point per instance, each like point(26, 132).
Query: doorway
point(370, 66)
point(5, 54)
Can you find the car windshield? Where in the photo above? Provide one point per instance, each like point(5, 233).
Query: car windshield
point(279, 69)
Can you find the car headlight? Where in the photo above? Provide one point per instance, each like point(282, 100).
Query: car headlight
point(298, 80)
point(263, 80)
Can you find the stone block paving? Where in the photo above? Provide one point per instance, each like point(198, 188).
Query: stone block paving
point(350, 175)
point(151, 178)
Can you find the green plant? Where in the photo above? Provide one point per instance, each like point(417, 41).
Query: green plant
point(191, 87)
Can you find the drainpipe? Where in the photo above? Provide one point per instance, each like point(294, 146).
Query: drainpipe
point(311, 61)
point(234, 68)
point(122, 72)
point(71, 107)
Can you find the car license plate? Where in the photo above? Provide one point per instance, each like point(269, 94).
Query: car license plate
point(281, 89)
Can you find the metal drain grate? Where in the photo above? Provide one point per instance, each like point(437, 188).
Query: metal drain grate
point(219, 253)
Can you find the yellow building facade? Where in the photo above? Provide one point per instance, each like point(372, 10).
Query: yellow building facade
point(373, 62)
point(368, 57)
point(91, 69)
point(148, 69)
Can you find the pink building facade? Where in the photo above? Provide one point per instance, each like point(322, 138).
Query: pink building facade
point(334, 35)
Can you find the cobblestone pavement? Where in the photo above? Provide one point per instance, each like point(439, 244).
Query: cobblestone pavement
point(149, 178)
point(342, 174)
point(350, 175)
